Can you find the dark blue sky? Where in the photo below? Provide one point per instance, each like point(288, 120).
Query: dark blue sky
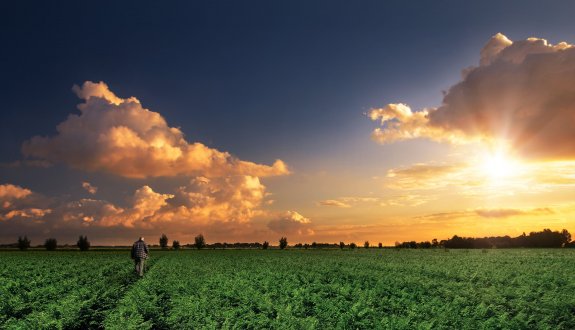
point(260, 79)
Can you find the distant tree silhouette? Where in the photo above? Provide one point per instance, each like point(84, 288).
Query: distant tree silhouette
point(265, 245)
point(314, 245)
point(379, 245)
point(200, 241)
point(51, 244)
point(542, 239)
point(366, 244)
point(23, 243)
point(164, 241)
point(341, 245)
point(176, 245)
point(283, 243)
point(83, 243)
point(306, 246)
point(352, 245)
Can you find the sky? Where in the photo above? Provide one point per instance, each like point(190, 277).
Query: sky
point(321, 121)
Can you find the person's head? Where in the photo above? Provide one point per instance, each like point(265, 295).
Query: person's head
point(141, 238)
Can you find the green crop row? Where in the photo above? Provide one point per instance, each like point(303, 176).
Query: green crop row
point(293, 289)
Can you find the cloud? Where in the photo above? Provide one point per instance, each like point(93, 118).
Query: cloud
point(424, 176)
point(120, 136)
point(494, 213)
point(9, 192)
point(333, 202)
point(504, 213)
point(522, 95)
point(291, 222)
point(89, 188)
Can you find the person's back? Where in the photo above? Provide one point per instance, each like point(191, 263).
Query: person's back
point(139, 254)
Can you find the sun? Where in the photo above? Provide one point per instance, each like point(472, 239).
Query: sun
point(498, 166)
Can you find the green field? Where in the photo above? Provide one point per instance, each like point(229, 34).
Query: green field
point(293, 289)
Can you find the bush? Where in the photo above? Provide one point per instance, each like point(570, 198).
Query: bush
point(341, 245)
point(366, 244)
point(200, 242)
point(379, 245)
point(265, 245)
point(283, 243)
point(83, 243)
point(51, 244)
point(23, 243)
point(164, 241)
point(352, 245)
point(176, 245)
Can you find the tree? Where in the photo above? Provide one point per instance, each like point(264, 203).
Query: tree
point(83, 243)
point(352, 245)
point(366, 244)
point(176, 245)
point(341, 245)
point(283, 243)
point(51, 244)
point(435, 243)
point(265, 245)
point(164, 241)
point(200, 242)
point(314, 245)
point(23, 243)
point(379, 245)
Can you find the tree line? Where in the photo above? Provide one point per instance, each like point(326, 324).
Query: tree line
point(541, 239)
point(536, 239)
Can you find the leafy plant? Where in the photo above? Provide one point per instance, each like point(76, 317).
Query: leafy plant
point(176, 245)
point(265, 245)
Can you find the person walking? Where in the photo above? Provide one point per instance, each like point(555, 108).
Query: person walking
point(139, 254)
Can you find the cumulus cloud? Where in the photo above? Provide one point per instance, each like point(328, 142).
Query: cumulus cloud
point(9, 192)
point(120, 136)
point(21, 203)
point(89, 188)
point(521, 94)
point(291, 222)
point(203, 202)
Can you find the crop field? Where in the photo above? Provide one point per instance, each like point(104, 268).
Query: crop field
point(291, 289)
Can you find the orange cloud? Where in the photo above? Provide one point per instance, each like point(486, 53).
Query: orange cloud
point(10, 192)
point(333, 202)
point(122, 137)
point(89, 188)
point(521, 94)
point(504, 213)
point(291, 222)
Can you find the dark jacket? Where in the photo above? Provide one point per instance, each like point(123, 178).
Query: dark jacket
point(140, 250)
